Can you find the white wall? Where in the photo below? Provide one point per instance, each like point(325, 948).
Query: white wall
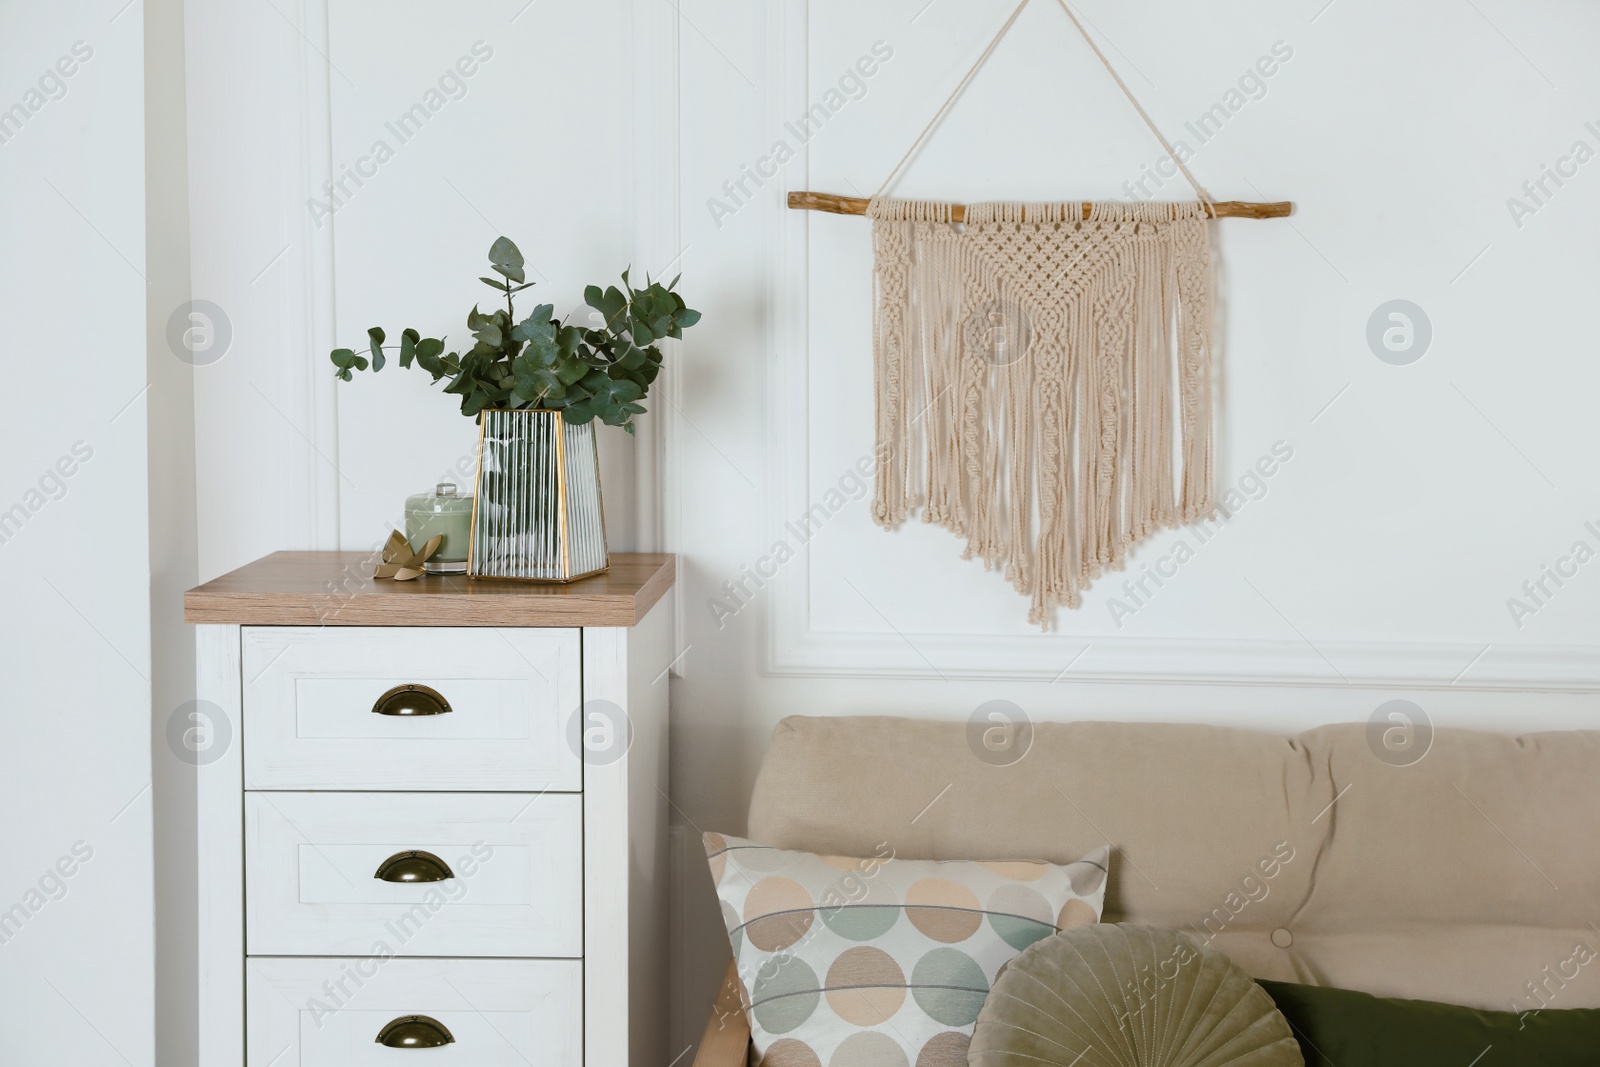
point(1377, 564)
point(76, 955)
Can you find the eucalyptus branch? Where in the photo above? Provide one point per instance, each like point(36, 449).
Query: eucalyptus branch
point(542, 362)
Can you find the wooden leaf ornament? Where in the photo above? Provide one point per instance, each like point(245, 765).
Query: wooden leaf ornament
point(400, 562)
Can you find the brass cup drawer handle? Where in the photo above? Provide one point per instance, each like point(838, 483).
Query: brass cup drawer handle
point(414, 1031)
point(414, 866)
point(412, 699)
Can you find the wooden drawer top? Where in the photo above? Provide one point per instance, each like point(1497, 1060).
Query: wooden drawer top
point(337, 589)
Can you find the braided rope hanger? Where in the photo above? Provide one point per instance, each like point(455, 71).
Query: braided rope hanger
point(851, 205)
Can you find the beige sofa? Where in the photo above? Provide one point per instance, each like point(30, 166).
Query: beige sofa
point(1470, 876)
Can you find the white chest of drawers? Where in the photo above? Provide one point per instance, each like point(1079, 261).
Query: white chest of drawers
point(432, 816)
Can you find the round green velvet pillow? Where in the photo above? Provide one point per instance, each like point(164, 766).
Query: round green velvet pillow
point(1132, 995)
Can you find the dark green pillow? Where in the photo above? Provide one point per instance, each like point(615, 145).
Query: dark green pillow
point(1343, 1028)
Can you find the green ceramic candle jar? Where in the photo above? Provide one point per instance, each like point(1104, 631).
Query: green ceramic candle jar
point(443, 511)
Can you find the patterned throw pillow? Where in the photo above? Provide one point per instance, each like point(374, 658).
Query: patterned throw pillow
point(878, 961)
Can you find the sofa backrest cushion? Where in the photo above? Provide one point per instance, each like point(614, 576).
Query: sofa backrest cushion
point(1470, 876)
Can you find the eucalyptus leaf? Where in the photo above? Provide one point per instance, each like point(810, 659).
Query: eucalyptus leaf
point(408, 346)
point(506, 258)
point(611, 304)
point(618, 392)
point(375, 342)
point(571, 371)
point(568, 340)
point(579, 413)
point(548, 386)
point(536, 327)
point(428, 350)
point(630, 357)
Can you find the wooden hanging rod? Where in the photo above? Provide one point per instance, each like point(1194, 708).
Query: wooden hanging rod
point(857, 205)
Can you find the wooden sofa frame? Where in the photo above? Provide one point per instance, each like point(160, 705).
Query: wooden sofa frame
point(726, 1041)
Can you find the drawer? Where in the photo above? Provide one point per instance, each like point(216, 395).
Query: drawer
point(329, 1012)
point(312, 718)
point(502, 874)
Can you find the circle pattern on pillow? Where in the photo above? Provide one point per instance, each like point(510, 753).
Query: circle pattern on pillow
point(869, 1048)
point(716, 856)
point(1075, 913)
point(865, 986)
point(1018, 872)
point(787, 1052)
point(1138, 996)
point(730, 919)
point(949, 986)
point(785, 997)
point(948, 1049)
point(1086, 879)
point(943, 909)
point(1020, 915)
point(777, 913)
point(859, 911)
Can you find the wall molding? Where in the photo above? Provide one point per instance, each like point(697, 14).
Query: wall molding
point(1056, 658)
point(321, 407)
point(792, 647)
point(659, 248)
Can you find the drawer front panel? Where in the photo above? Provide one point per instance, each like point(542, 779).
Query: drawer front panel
point(501, 874)
point(310, 694)
point(329, 1012)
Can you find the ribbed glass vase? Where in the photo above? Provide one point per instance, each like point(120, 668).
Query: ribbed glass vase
point(538, 514)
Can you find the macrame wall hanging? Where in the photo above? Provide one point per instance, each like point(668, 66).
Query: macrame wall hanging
point(1043, 370)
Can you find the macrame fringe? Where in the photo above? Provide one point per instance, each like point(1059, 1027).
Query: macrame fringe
point(1035, 364)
